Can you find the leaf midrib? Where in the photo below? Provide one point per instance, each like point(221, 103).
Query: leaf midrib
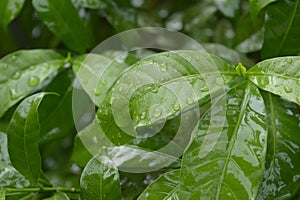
point(233, 138)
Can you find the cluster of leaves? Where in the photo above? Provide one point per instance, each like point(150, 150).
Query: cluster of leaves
point(256, 153)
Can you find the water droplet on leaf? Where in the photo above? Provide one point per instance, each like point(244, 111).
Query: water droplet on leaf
point(288, 89)
point(33, 81)
point(14, 58)
point(157, 112)
point(17, 75)
point(143, 115)
point(289, 60)
point(5, 66)
point(176, 107)
point(204, 89)
point(189, 101)
point(97, 92)
point(163, 67)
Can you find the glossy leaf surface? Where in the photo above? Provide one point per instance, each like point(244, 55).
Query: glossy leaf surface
point(256, 6)
point(96, 74)
point(22, 71)
point(281, 176)
point(226, 158)
point(164, 188)
point(145, 94)
point(279, 76)
point(55, 112)
point(9, 176)
point(9, 9)
point(100, 180)
point(282, 29)
point(67, 26)
point(23, 138)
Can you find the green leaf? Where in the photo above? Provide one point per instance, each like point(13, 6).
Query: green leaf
point(100, 180)
point(4, 157)
point(256, 6)
point(225, 159)
point(282, 29)
point(96, 74)
point(23, 136)
point(55, 112)
point(22, 71)
point(93, 4)
point(9, 9)
point(2, 194)
point(147, 91)
point(67, 26)
point(281, 177)
point(163, 188)
point(279, 76)
point(58, 196)
point(227, 7)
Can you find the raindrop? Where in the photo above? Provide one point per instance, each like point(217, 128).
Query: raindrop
point(143, 115)
point(97, 92)
point(163, 67)
point(14, 58)
point(298, 82)
point(33, 81)
point(204, 89)
point(298, 99)
point(5, 66)
point(37, 57)
point(151, 62)
point(32, 68)
point(176, 107)
point(289, 60)
point(103, 82)
point(288, 89)
point(17, 75)
point(157, 112)
point(231, 112)
point(189, 101)
point(14, 95)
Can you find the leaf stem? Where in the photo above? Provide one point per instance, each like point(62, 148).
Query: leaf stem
point(43, 189)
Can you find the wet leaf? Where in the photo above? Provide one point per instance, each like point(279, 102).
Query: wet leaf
point(2, 195)
point(96, 74)
point(23, 136)
point(100, 180)
point(9, 9)
point(164, 188)
point(55, 112)
point(67, 26)
point(282, 29)
point(279, 76)
point(281, 176)
point(22, 71)
point(93, 4)
point(156, 89)
point(225, 159)
point(256, 6)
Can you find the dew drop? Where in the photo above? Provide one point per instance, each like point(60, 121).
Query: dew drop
point(163, 67)
point(143, 115)
point(33, 81)
point(176, 107)
point(231, 112)
point(17, 75)
point(289, 60)
point(103, 82)
point(298, 99)
point(5, 66)
point(97, 92)
point(14, 95)
point(189, 101)
point(32, 68)
point(204, 89)
point(288, 89)
point(14, 58)
point(157, 112)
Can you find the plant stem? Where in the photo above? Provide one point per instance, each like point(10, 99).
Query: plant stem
point(46, 189)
